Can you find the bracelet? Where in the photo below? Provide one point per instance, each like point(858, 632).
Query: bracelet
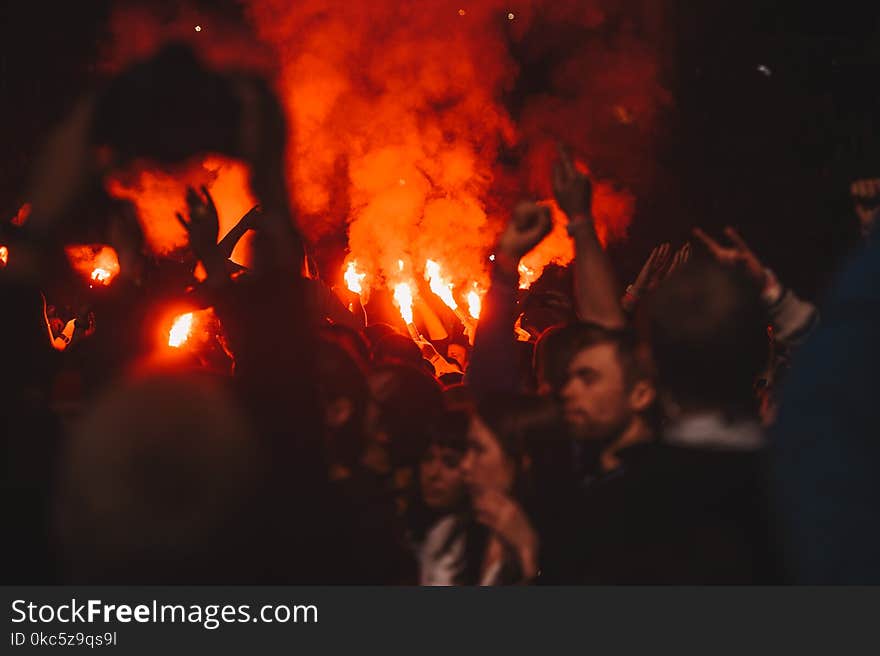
point(631, 291)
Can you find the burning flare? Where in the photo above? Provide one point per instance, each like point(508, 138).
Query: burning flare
point(4, 256)
point(180, 330)
point(101, 275)
point(404, 299)
point(474, 303)
point(439, 285)
point(354, 280)
point(526, 276)
point(97, 262)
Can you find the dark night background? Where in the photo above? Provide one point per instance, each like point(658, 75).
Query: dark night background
point(772, 154)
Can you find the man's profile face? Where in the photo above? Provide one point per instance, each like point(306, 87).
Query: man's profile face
point(595, 398)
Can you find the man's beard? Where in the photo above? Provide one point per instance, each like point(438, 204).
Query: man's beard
point(602, 434)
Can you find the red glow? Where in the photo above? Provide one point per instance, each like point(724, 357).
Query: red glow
point(98, 263)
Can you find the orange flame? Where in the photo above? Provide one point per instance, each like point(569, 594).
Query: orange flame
point(4, 256)
point(474, 303)
point(397, 142)
point(180, 330)
point(526, 276)
point(97, 262)
point(354, 280)
point(403, 298)
point(439, 285)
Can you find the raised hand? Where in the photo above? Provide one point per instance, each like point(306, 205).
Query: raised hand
point(572, 189)
point(652, 269)
point(504, 517)
point(682, 255)
point(866, 196)
point(737, 255)
point(203, 224)
point(251, 219)
point(529, 224)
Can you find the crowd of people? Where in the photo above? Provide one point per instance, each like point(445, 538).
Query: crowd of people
point(704, 426)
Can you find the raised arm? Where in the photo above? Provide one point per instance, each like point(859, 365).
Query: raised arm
point(596, 291)
point(245, 223)
point(791, 317)
point(494, 363)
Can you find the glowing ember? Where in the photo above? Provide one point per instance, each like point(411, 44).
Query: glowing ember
point(474, 303)
point(404, 299)
point(180, 330)
point(526, 276)
point(353, 279)
point(22, 215)
point(4, 256)
point(439, 285)
point(98, 263)
point(400, 264)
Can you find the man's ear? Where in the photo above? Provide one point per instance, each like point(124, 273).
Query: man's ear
point(338, 412)
point(642, 395)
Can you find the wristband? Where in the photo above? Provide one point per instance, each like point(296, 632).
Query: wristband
point(577, 222)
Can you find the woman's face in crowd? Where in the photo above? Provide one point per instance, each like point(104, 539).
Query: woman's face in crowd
point(485, 465)
point(441, 478)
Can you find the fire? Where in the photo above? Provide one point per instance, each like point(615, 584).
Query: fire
point(97, 262)
point(4, 256)
point(526, 276)
point(396, 140)
point(180, 330)
point(101, 275)
point(403, 297)
point(439, 285)
point(354, 280)
point(474, 304)
point(199, 333)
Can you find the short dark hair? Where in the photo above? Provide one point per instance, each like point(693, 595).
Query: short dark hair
point(558, 346)
point(397, 348)
point(707, 331)
point(341, 374)
point(407, 400)
point(349, 337)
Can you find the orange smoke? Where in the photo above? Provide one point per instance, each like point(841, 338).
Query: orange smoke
point(398, 120)
point(97, 262)
point(159, 194)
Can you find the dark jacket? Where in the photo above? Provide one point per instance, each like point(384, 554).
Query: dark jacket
point(679, 515)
